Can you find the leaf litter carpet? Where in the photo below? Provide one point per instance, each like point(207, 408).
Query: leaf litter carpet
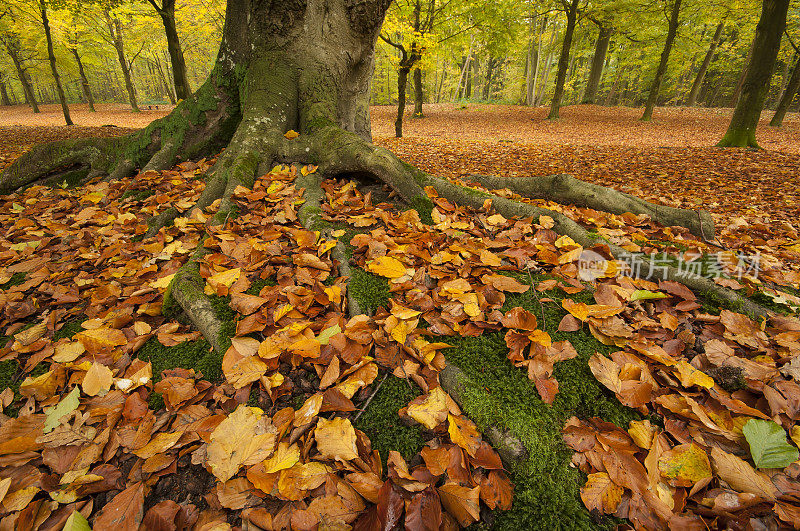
point(85, 435)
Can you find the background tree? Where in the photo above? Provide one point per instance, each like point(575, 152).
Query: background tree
point(662, 65)
point(166, 11)
point(52, 58)
point(571, 10)
point(742, 129)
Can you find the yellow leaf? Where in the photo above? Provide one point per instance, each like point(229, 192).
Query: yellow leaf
point(308, 410)
point(464, 433)
point(291, 134)
point(386, 266)
point(336, 439)
point(66, 352)
point(245, 371)
point(220, 283)
point(430, 410)
point(163, 282)
point(285, 456)
point(601, 494)
point(461, 502)
point(684, 465)
point(99, 339)
point(246, 437)
point(98, 380)
point(690, 376)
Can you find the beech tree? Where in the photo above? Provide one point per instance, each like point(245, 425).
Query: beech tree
point(166, 10)
point(764, 51)
point(291, 85)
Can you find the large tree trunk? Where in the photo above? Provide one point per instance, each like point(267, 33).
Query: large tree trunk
point(52, 58)
point(87, 90)
point(788, 95)
point(742, 129)
point(598, 61)
point(662, 65)
point(402, 85)
point(563, 60)
point(691, 100)
point(167, 14)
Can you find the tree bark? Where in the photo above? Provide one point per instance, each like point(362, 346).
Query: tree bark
point(22, 73)
point(737, 91)
point(788, 95)
point(52, 58)
point(662, 65)
point(4, 91)
point(418, 93)
point(598, 61)
point(691, 100)
point(563, 60)
point(742, 129)
point(402, 83)
point(167, 13)
point(115, 30)
point(487, 87)
point(87, 90)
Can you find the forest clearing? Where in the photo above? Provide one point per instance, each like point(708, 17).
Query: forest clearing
point(415, 264)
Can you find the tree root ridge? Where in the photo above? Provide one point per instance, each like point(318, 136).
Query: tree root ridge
point(564, 225)
point(568, 190)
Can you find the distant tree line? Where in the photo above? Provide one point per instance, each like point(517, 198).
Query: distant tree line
point(529, 52)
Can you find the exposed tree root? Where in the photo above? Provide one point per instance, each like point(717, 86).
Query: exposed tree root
point(568, 190)
point(705, 287)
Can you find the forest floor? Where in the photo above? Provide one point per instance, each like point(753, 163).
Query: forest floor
point(670, 160)
point(115, 410)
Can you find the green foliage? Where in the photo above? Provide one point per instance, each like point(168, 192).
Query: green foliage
point(768, 445)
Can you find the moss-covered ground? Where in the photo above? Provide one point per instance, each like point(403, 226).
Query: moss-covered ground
point(546, 493)
point(383, 425)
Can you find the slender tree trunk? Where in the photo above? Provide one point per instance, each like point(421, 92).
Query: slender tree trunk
point(87, 90)
point(115, 28)
point(164, 81)
point(167, 14)
point(662, 65)
point(742, 129)
point(402, 82)
point(788, 95)
point(487, 87)
point(445, 64)
point(691, 100)
point(52, 57)
point(418, 93)
point(476, 80)
point(24, 80)
point(4, 91)
point(598, 61)
point(613, 91)
point(464, 70)
point(563, 60)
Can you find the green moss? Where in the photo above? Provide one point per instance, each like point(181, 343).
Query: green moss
point(70, 328)
point(15, 280)
point(498, 394)
point(8, 373)
point(371, 291)
point(383, 425)
point(188, 355)
point(259, 284)
point(423, 206)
